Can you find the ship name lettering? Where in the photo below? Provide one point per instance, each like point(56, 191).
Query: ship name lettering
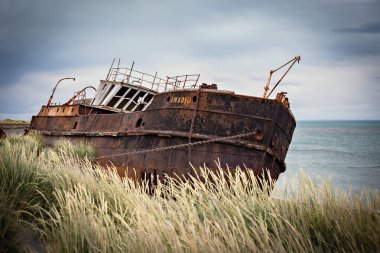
point(180, 100)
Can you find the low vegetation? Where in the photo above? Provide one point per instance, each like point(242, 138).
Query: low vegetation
point(14, 122)
point(71, 205)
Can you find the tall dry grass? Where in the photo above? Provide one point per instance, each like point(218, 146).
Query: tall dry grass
point(21, 182)
point(75, 206)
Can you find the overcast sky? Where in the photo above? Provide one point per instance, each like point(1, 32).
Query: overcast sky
point(231, 43)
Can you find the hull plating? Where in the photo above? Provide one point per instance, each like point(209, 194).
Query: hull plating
point(180, 117)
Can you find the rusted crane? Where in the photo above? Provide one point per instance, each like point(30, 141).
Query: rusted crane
point(266, 88)
point(76, 94)
point(55, 87)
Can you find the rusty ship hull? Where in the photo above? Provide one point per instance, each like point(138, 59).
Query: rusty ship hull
point(180, 117)
point(150, 127)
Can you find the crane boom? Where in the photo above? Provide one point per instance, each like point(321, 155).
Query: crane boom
point(266, 88)
point(77, 94)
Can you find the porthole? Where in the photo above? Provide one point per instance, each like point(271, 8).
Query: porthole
point(259, 135)
point(195, 99)
point(139, 122)
point(168, 99)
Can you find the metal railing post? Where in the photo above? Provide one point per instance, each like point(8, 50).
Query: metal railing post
point(130, 73)
point(166, 84)
point(117, 70)
point(175, 82)
point(184, 84)
point(154, 79)
point(142, 79)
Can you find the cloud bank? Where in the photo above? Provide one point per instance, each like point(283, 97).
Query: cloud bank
point(232, 43)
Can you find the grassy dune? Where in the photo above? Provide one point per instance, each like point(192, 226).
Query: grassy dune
point(70, 205)
point(14, 122)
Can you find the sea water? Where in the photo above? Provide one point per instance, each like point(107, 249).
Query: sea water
point(345, 152)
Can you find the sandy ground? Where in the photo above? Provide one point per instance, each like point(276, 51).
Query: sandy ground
point(28, 242)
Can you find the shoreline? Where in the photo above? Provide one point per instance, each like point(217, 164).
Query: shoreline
point(13, 126)
point(14, 129)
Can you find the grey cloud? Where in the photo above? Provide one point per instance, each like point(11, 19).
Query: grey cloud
point(376, 79)
point(366, 28)
point(236, 42)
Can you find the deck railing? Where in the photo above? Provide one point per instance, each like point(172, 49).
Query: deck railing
point(153, 82)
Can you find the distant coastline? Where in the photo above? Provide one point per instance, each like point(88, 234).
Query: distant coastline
point(12, 122)
point(10, 126)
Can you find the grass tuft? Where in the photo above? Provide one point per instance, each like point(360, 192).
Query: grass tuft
point(75, 206)
point(80, 150)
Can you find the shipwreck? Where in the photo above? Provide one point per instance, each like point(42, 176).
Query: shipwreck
point(150, 127)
